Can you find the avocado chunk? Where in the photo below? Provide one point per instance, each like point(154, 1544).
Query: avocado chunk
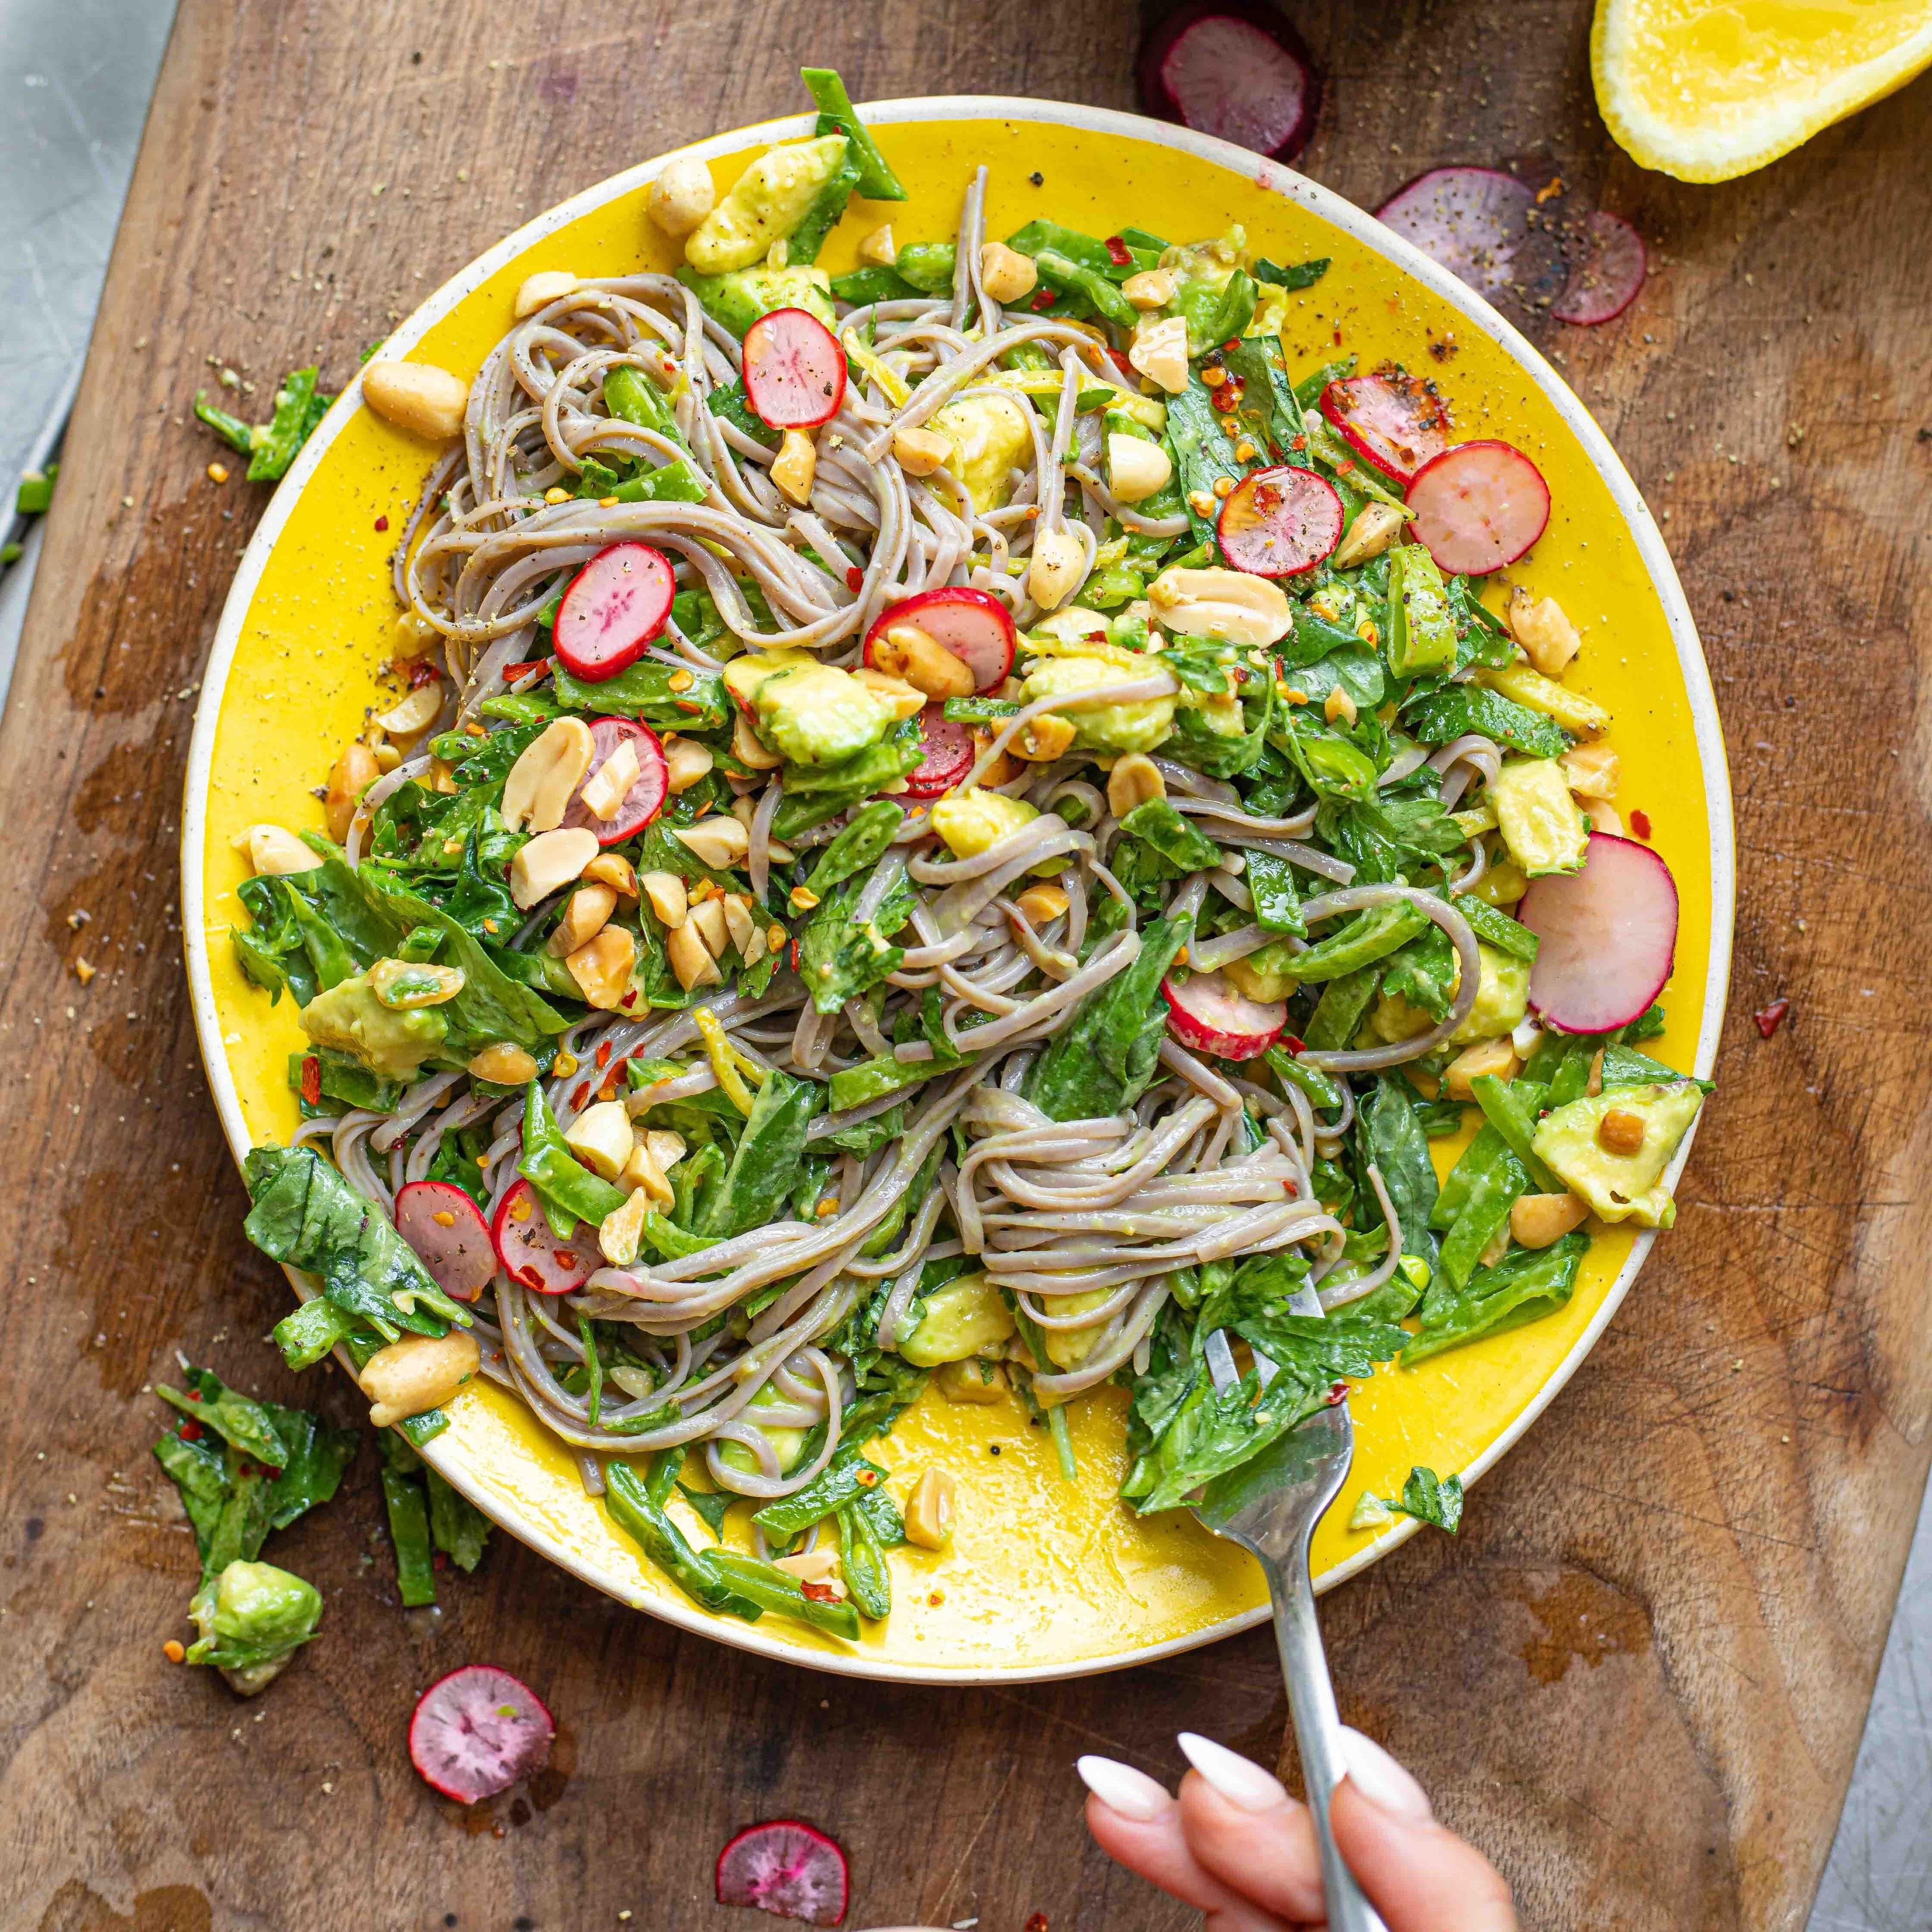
point(992, 436)
point(786, 1443)
point(1620, 1187)
point(737, 300)
point(1115, 729)
point(1067, 1348)
point(1502, 998)
point(253, 1618)
point(1268, 974)
point(767, 203)
point(809, 712)
point(961, 1319)
point(973, 822)
point(351, 1018)
point(1538, 818)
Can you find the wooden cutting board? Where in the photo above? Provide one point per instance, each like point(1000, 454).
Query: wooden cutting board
point(1638, 1677)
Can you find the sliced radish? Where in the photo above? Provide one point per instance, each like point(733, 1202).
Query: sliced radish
point(531, 1254)
point(1240, 72)
point(1479, 506)
point(949, 754)
point(1394, 421)
point(786, 1868)
point(1279, 522)
point(1480, 224)
point(477, 1731)
point(645, 797)
point(794, 370)
point(450, 1236)
point(1605, 282)
point(615, 606)
point(1609, 933)
point(973, 625)
point(1208, 1012)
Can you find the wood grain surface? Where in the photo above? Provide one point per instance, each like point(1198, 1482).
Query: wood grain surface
point(1636, 1679)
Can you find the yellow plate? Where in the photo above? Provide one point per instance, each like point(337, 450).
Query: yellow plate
point(1042, 1579)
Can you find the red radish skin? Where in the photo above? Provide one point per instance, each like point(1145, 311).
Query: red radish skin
point(1395, 422)
point(615, 605)
point(1237, 71)
point(1208, 1012)
point(1279, 522)
point(794, 370)
point(1478, 223)
point(973, 625)
point(529, 1251)
point(645, 798)
point(1608, 934)
point(477, 1731)
point(949, 753)
point(450, 1237)
point(1610, 276)
point(1479, 506)
point(787, 1869)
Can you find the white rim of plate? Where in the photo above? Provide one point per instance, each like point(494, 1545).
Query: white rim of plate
point(1262, 173)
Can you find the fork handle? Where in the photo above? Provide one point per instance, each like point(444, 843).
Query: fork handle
point(1318, 1731)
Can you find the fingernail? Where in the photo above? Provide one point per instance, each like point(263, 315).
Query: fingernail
point(1240, 1780)
point(1381, 1780)
point(1120, 1788)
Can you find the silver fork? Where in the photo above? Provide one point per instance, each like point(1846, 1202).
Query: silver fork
point(1270, 1506)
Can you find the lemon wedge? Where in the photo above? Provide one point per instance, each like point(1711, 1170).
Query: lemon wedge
point(1707, 90)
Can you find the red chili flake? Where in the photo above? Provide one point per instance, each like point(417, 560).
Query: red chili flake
point(607, 1092)
point(1127, 369)
point(1045, 299)
point(794, 956)
point(512, 672)
point(603, 1055)
point(1118, 252)
point(686, 704)
point(530, 1277)
point(194, 1395)
point(274, 1475)
point(382, 523)
point(423, 672)
point(191, 1430)
point(1299, 442)
point(1037, 1923)
point(1338, 338)
point(438, 1562)
point(819, 1593)
point(1770, 1018)
point(855, 578)
point(1338, 1393)
point(1295, 1042)
point(1640, 823)
point(582, 1093)
point(311, 1080)
point(867, 1479)
point(244, 1468)
point(628, 1000)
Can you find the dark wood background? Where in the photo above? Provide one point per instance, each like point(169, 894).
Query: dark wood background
point(1638, 1676)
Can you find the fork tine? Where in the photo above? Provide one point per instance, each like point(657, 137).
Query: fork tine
point(1267, 1367)
point(1220, 1360)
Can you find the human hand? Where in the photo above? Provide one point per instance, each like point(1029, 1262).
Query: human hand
point(1238, 1848)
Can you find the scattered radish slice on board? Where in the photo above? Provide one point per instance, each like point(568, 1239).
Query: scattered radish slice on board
point(1608, 279)
point(1479, 506)
point(785, 1868)
point(477, 1731)
point(1608, 935)
point(615, 606)
point(1395, 421)
point(949, 753)
point(645, 797)
point(973, 625)
point(794, 370)
point(529, 1250)
point(1473, 221)
point(1207, 1011)
point(1240, 72)
point(450, 1237)
point(1279, 522)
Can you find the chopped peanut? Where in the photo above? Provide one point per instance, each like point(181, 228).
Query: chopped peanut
point(921, 451)
point(1496, 1056)
point(929, 1511)
point(795, 465)
point(614, 870)
point(1548, 637)
point(1136, 780)
point(1593, 771)
point(602, 1138)
point(1043, 738)
point(1620, 1131)
point(602, 969)
point(587, 914)
point(668, 898)
point(1005, 274)
point(503, 1065)
point(1042, 904)
point(348, 778)
point(1537, 1220)
point(685, 762)
point(922, 661)
point(690, 959)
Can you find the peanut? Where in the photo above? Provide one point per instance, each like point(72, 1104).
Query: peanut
point(1152, 288)
point(1495, 1056)
point(537, 793)
point(587, 914)
point(1058, 564)
point(921, 451)
point(618, 1233)
point(503, 1065)
point(1229, 605)
point(540, 290)
point(748, 749)
point(614, 870)
point(717, 844)
point(1042, 904)
point(548, 862)
point(1043, 738)
point(685, 762)
point(602, 969)
point(606, 789)
point(275, 852)
point(690, 959)
point(1136, 468)
point(418, 1373)
point(1005, 274)
point(794, 467)
point(1136, 780)
point(1593, 771)
point(1376, 526)
point(1159, 351)
point(1620, 1131)
point(878, 247)
point(418, 396)
point(929, 1511)
point(1548, 637)
point(602, 1137)
point(916, 656)
point(681, 197)
point(1537, 1220)
point(416, 711)
point(668, 898)
point(348, 778)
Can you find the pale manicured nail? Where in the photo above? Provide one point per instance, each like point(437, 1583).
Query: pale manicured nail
point(1120, 1788)
point(1240, 1781)
point(1381, 1780)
